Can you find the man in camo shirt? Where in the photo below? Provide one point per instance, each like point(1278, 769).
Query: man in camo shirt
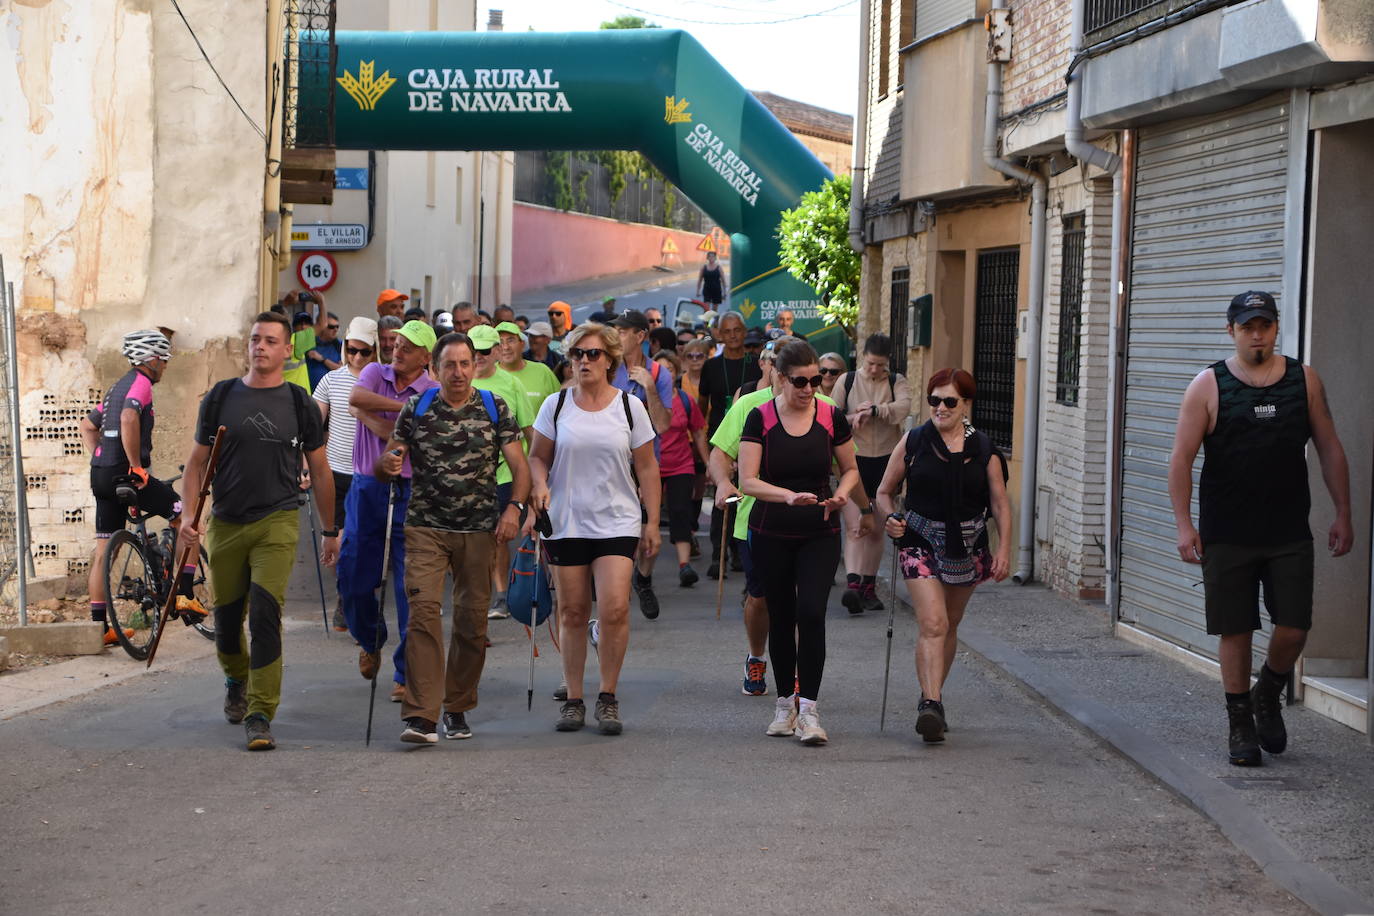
point(454, 444)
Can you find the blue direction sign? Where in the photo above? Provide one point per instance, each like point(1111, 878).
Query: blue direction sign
point(350, 179)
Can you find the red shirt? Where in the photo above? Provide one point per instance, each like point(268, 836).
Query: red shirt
point(675, 445)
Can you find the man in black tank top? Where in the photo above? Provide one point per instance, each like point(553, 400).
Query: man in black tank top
point(1255, 412)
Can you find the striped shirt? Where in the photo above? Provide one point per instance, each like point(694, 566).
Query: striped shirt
point(334, 390)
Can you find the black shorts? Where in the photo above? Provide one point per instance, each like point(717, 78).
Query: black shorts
point(871, 471)
point(753, 583)
point(582, 551)
point(157, 498)
point(682, 509)
point(1231, 578)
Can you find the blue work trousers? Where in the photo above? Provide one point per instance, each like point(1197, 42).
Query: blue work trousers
point(360, 564)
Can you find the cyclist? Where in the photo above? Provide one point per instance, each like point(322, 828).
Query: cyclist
point(119, 435)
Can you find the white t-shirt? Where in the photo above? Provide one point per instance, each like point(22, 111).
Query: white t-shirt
point(591, 491)
point(334, 389)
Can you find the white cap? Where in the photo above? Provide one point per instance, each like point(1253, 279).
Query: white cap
point(364, 329)
point(539, 329)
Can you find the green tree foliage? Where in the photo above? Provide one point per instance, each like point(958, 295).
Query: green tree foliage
point(814, 247)
point(629, 22)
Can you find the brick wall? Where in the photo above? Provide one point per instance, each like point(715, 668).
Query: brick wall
point(1040, 52)
point(884, 153)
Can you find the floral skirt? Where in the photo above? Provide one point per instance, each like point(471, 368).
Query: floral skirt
point(927, 558)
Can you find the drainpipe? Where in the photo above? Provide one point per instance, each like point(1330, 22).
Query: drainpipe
point(1030, 429)
point(860, 167)
point(1089, 154)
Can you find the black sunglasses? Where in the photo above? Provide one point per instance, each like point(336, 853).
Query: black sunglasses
point(801, 381)
point(591, 354)
point(359, 351)
point(933, 401)
point(825, 371)
point(480, 352)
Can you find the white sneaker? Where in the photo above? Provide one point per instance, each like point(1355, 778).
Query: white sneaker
point(498, 611)
point(784, 717)
point(809, 729)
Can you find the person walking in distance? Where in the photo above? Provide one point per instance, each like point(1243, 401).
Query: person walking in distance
point(391, 302)
point(560, 320)
point(594, 432)
point(453, 438)
point(376, 398)
point(721, 377)
point(386, 338)
point(832, 367)
point(681, 449)
point(711, 282)
point(327, 354)
point(1255, 412)
point(539, 335)
point(785, 453)
point(952, 482)
point(332, 393)
point(251, 534)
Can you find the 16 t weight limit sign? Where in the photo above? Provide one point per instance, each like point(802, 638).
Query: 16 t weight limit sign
point(316, 270)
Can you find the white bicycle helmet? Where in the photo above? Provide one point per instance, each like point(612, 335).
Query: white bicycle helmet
point(141, 346)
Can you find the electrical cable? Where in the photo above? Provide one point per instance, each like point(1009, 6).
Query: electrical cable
point(261, 133)
point(635, 9)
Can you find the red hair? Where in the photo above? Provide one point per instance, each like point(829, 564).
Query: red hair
point(961, 380)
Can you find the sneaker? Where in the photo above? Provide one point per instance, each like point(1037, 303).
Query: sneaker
point(191, 611)
point(258, 732)
point(1266, 698)
point(648, 601)
point(593, 637)
point(784, 718)
point(419, 731)
point(713, 571)
point(687, 576)
point(608, 714)
point(398, 692)
point(808, 729)
point(755, 677)
point(930, 720)
point(871, 601)
point(456, 726)
point(561, 694)
point(235, 700)
point(572, 717)
point(853, 599)
point(339, 623)
point(498, 610)
point(368, 663)
point(1244, 747)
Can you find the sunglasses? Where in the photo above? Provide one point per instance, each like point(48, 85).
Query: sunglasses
point(480, 352)
point(825, 371)
point(933, 401)
point(359, 351)
point(332, 327)
point(655, 321)
point(590, 355)
point(696, 356)
point(801, 381)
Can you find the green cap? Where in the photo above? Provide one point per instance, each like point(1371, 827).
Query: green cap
point(418, 333)
point(510, 327)
point(484, 337)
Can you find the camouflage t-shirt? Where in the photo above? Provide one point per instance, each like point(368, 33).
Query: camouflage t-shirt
point(453, 456)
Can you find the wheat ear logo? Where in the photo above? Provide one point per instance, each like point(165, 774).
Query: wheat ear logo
point(675, 111)
point(366, 89)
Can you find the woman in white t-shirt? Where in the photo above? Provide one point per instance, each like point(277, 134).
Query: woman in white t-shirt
point(360, 347)
point(591, 442)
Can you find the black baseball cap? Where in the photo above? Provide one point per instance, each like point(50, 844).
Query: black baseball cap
point(1252, 303)
point(754, 338)
point(633, 319)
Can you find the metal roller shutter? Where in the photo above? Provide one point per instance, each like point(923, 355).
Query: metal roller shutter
point(1208, 223)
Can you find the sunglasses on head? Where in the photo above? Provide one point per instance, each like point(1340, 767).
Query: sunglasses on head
point(359, 351)
point(933, 401)
point(825, 371)
point(801, 381)
point(591, 354)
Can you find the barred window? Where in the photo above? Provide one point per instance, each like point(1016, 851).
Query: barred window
point(896, 320)
point(1070, 311)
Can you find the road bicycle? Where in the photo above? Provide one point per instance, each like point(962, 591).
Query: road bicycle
point(139, 577)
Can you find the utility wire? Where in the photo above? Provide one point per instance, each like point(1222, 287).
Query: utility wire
point(635, 9)
point(211, 64)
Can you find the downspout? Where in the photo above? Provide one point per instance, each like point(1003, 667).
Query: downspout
point(1030, 428)
point(1089, 154)
point(860, 166)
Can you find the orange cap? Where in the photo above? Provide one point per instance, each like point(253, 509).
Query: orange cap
point(387, 295)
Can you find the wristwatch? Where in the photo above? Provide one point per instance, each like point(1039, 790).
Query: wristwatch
point(867, 510)
point(330, 533)
point(518, 505)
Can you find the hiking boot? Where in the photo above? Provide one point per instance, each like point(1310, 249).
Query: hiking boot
point(648, 601)
point(339, 623)
point(853, 599)
point(419, 730)
point(572, 717)
point(561, 693)
point(593, 637)
point(368, 663)
point(755, 677)
point(696, 548)
point(191, 611)
point(930, 720)
point(1244, 741)
point(808, 728)
point(784, 718)
point(1266, 698)
point(456, 726)
point(235, 700)
point(687, 576)
point(258, 732)
point(608, 714)
point(713, 571)
point(398, 693)
point(498, 609)
point(871, 601)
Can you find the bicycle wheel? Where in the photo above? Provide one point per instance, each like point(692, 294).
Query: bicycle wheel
point(132, 584)
point(201, 588)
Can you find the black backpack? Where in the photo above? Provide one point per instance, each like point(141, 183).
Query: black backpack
point(214, 401)
point(849, 385)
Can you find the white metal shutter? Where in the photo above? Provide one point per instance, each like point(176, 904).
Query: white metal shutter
point(1208, 223)
point(934, 16)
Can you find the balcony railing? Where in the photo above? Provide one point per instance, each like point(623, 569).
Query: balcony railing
point(1106, 19)
point(309, 63)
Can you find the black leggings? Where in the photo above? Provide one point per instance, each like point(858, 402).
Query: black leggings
point(682, 509)
point(797, 575)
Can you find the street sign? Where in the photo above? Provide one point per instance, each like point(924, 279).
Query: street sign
point(669, 246)
point(707, 243)
point(350, 179)
point(317, 270)
point(333, 236)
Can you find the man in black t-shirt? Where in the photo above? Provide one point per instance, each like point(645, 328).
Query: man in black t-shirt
point(721, 378)
point(251, 535)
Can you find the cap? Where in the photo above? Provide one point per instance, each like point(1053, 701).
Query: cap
point(633, 319)
point(1252, 303)
point(302, 316)
point(609, 300)
point(443, 322)
point(388, 295)
point(510, 327)
point(539, 329)
point(364, 329)
point(754, 338)
point(775, 333)
point(484, 337)
point(418, 333)
point(769, 351)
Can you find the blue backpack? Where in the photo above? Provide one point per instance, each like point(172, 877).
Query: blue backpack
point(426, 398)
point(528, 597)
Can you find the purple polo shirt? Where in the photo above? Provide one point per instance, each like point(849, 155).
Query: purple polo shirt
point(380, 379)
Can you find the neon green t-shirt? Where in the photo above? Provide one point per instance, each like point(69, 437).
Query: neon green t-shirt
point(727, 440)
point(505, 385)
point(538, 381)
point(296, 370)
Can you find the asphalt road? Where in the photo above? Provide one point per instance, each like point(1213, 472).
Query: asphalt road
point(139, 798)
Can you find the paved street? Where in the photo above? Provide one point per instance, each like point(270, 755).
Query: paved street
point(139, 798)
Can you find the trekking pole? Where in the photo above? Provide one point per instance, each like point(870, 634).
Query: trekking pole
point(210, 464)
point(381, 610)
point(891, 614)
point(319, 574)
point(724, 539)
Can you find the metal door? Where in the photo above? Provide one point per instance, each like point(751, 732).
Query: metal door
point(994, 343)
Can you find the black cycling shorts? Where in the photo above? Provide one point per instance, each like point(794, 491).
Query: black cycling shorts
point(157, 498)
point(582, 551)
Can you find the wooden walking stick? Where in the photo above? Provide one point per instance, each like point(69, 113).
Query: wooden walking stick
point(171, 602)
point(724, 539)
